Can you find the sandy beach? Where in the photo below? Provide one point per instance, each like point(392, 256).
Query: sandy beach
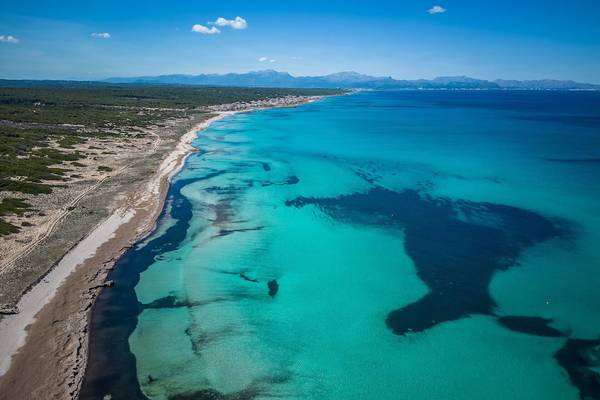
point(43, 348)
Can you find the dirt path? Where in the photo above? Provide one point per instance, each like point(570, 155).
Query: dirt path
point(67, 209)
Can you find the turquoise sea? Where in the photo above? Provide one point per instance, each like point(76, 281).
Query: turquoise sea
point(380, 245)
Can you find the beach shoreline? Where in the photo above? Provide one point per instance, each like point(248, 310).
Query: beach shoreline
point(50, 331)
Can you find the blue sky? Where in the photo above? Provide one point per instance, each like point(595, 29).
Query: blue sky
point(484, 39)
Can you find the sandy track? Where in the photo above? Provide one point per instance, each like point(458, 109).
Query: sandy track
point(68, 209)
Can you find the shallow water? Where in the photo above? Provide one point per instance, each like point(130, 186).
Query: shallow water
point(418, 245)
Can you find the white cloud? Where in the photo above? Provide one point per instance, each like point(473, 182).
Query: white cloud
point(8, 39)
point(101, 35)
point(237, 23)
point(436, 10)
point(265, 59)
point(205, 30)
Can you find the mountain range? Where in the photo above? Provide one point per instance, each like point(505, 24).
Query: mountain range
point(271, 78)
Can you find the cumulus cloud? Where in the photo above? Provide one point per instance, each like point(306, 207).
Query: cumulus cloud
point(101, 35)
point(436, 10)
point(236, 23)
point(205, 30)
point(267, 59)
point(8, 39)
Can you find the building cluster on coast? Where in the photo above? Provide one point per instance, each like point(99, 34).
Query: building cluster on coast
point(284, 101)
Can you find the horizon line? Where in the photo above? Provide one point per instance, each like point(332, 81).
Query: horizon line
point(102, 80)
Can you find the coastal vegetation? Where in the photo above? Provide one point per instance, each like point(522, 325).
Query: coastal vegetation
point(11, 205)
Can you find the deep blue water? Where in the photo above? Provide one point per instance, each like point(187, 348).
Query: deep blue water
point(389, 245)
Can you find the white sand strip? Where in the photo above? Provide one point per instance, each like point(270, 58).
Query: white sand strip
point(13, 327)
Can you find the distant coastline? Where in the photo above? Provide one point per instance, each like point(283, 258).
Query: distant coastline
point(340, 80)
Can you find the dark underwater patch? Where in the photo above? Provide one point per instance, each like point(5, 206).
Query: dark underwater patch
point(225, 190)
point(111, 367)
point(366, 176)
point(531, 325)
point(291, 180)
point(456, 246)
point(578, 357)
point(247, 278)
point(226, 232)
point(174, 302)
point(273, 287)
point(166, 302)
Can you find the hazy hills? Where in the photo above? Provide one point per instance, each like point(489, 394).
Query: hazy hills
point(349, 79)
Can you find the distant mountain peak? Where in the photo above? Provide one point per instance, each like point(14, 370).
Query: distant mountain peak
point(268, 72)
point(344, 75)
point(458, 78)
